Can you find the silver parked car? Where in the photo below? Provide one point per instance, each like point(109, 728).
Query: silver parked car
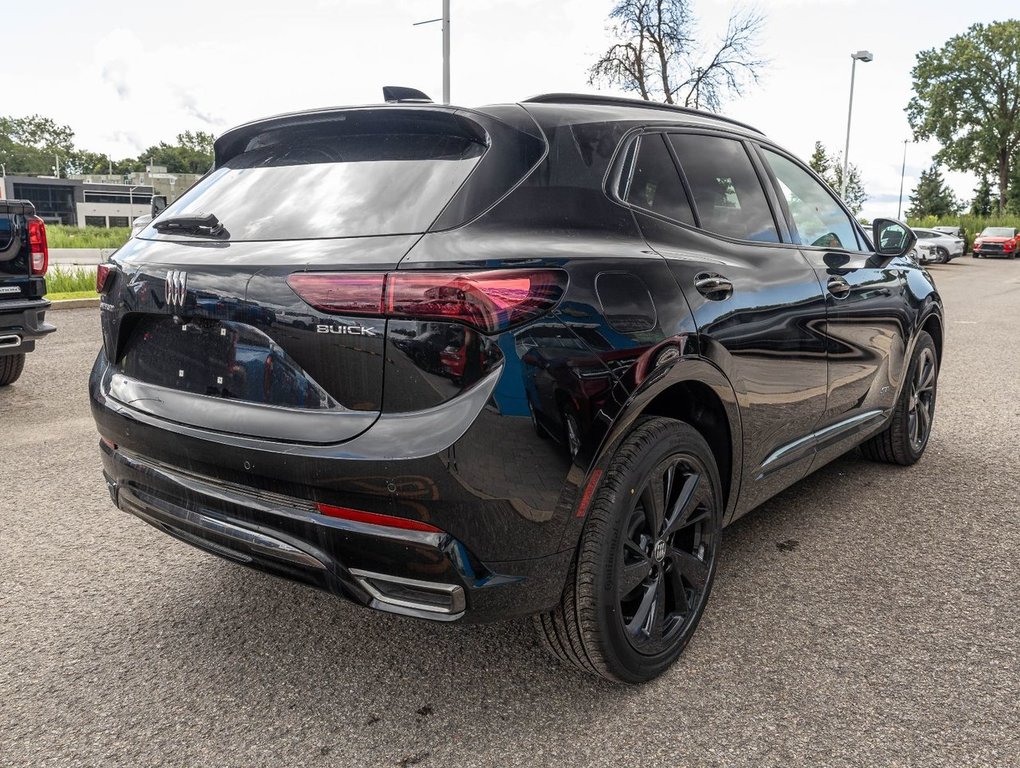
point(938, 247)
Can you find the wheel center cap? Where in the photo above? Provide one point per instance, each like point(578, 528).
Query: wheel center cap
point(659, 552)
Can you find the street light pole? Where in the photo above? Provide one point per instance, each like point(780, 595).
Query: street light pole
point(446, 47)
point(903, 172)
point(864, 56)
point(446, 51)
point(131, 202)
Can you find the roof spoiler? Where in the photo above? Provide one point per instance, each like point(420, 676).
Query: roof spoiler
point(398, 94)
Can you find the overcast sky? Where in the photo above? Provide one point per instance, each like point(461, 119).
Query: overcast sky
point(125, 75)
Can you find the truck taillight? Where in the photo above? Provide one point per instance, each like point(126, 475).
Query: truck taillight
point(103, 274)
point(38, 246)
point(490, 301)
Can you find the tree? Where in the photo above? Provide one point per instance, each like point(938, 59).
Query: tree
point(967, 96)
point(830, 168)
point(34, 145)
point(1013, 196)
point(656, 55)
point(820, 160)
point(193, 153)
point(933, 197)
point(982, 204)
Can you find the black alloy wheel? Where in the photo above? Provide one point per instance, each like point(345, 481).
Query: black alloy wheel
point(647, 559)
point(667, 554)
point(908, 430)
point(941, 255)
point(921, 409)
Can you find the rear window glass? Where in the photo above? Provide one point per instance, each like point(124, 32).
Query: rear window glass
point(325, 182)
point(727, 193)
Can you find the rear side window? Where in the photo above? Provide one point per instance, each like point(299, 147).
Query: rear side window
point(654, 183)
point(818, 219)
point(727, 192)
point(333, 179)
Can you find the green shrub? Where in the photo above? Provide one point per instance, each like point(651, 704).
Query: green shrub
point(970, 225)
point(63, 236)
point(70, 280)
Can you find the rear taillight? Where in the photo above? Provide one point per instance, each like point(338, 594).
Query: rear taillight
point(489, 301)
point(103, 274)
point(38, 246)
point(374, 518)
point(340, 293)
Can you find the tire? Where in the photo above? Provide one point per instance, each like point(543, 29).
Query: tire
point(11, 367)
point(904, 439)
point(942, 256)
point(632, 601)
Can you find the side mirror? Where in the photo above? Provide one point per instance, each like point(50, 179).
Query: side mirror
point(892, 238)
point(158, 205)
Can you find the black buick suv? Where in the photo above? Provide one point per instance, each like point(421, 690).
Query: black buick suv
point(466, 364)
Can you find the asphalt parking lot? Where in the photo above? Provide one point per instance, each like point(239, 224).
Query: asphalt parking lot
point(867, 616)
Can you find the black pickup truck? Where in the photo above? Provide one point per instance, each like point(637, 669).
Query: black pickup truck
point(24, 257)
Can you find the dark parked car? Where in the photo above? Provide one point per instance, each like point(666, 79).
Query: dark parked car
point(24, 258)
point(434, 292)
point(997, 241)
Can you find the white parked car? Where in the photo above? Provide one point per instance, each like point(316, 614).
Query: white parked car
point(938, 247)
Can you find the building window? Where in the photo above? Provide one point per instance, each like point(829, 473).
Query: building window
point(118, 198)
point(95, 221)
point(52, 202)
point(118, 221)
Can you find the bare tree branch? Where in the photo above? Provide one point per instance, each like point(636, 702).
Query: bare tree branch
point(656, 54)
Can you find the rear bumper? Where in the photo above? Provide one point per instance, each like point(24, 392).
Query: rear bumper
point(22, 323)
point(426, 575)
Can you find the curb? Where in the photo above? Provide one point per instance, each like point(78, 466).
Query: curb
point(73, 304)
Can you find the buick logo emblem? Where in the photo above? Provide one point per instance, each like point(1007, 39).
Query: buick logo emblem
point(176, 288)
point(659, 553)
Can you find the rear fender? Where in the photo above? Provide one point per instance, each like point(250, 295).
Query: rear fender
point(684, 370)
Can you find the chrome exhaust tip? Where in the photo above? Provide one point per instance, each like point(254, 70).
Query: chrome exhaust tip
point(10, 340)
point(399, 594)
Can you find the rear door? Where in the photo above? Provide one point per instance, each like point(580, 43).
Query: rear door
point(757, 303)
point(868, 319)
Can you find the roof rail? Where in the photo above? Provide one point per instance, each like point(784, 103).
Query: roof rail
point(620, 101)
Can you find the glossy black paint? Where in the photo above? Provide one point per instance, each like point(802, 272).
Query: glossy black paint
point(493, 438)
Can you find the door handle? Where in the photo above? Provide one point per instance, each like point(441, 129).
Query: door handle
point(838, 287)
point(713, 287)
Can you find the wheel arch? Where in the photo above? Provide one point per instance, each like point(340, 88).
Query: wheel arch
point(692, 390)
point(932, 325)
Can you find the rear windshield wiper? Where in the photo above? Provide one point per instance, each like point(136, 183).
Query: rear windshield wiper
point(207, 225)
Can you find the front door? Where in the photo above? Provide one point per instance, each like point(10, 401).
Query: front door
point(867, 317)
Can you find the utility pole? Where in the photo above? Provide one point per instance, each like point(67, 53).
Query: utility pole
point(903, 172)
point(56, 165)
point(446, 47)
